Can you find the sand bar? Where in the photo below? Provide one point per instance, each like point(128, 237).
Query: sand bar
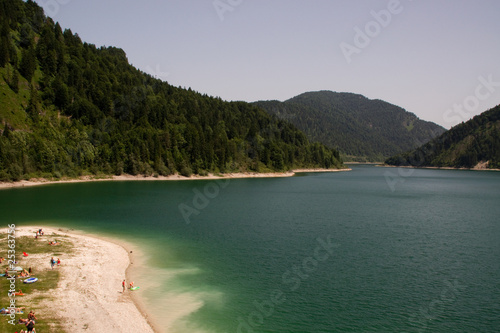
point(89, 295)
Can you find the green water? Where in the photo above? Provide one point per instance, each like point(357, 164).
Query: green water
point(361, 251)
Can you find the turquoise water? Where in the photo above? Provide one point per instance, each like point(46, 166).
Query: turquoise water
point(371, 250)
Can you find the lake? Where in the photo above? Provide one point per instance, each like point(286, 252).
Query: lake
point(370, 250)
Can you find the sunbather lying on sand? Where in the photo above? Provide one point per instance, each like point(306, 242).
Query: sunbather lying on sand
point(7, 311)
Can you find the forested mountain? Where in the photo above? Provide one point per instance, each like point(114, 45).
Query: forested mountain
point(69, 108)
point(464, 146)
point(360, 128)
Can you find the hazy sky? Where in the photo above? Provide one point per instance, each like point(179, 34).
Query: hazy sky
point(437, 59)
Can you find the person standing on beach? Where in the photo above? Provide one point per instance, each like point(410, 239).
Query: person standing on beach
point(52, 263)
point(31, 315)
point(30, 325)
point(123, 286)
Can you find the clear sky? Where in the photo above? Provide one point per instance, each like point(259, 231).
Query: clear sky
point(436, 58)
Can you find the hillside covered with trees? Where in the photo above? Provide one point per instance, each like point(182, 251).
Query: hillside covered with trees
point(360, 128)
point(466, 145)
point(69, 108)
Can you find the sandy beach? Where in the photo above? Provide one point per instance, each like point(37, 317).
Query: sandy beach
point(89, 295)
point(36, 182)
point(319, 170)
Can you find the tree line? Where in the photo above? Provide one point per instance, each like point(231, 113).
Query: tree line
point(86, 110)
point(463, 146)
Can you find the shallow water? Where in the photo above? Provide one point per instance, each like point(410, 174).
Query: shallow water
point(371, 250)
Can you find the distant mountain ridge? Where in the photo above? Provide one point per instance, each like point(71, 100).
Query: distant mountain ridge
point(473, 144)
point(360, 128)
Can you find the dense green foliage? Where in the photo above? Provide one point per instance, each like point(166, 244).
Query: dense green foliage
point(463, 146)
point(69, 108)
point(361, 129)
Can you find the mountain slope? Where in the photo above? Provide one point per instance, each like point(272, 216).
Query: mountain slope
point(464, 146)
point(362, 129)
point(69, 108)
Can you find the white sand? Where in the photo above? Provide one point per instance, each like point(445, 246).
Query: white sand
point(320, 170)
point(89, 295)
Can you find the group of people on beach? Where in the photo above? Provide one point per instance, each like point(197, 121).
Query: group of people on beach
point(131, 285)
point(39, 233)
point(24, 273)
point(53, 262)
point(29, 323)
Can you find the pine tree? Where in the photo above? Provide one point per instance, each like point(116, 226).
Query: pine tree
point(14, 81)
point(26, 36)
point(61, 99)
point(33, 108)
point(4, 51)
point(6, 131)
point(28, 63)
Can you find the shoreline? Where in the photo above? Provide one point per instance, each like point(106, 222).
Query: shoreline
point(90, 281)
point(356, 163)
point(433, 168)
point(176, 177)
